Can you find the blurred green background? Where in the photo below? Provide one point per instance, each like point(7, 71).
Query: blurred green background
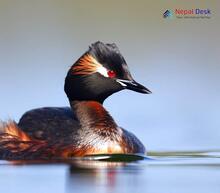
point(178, 59)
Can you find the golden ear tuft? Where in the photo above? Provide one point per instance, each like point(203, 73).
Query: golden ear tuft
point(86, 65)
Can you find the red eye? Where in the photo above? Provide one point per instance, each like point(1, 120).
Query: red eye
point(111, 74)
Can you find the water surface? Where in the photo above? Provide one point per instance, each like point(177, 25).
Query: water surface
point(161, 172)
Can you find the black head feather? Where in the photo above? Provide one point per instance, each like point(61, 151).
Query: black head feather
point(110, 57)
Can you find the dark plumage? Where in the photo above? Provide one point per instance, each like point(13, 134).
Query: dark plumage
point(86, 127)
point(109, 56)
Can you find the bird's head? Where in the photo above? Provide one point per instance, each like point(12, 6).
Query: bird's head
point(98, 73)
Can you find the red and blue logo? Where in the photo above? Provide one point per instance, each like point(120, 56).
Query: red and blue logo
point(187, 13)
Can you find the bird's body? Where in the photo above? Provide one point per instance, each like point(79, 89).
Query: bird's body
point(88, 129)
point(84, 129)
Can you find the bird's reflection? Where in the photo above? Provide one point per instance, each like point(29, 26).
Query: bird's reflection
point(102, 173)
point(98, 175)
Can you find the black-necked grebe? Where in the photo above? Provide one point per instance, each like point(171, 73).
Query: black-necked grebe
point(84, 129)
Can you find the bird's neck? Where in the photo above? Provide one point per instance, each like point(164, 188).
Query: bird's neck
point(92, 115)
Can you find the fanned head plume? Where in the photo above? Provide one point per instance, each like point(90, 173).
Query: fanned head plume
point(88, 65)
point(105, 59)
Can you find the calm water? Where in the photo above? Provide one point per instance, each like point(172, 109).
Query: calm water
point(171, 172)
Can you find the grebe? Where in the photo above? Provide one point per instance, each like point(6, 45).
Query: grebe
point(84, 129)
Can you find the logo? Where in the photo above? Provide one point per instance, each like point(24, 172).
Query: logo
point(188, 13)
point(167, 14)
